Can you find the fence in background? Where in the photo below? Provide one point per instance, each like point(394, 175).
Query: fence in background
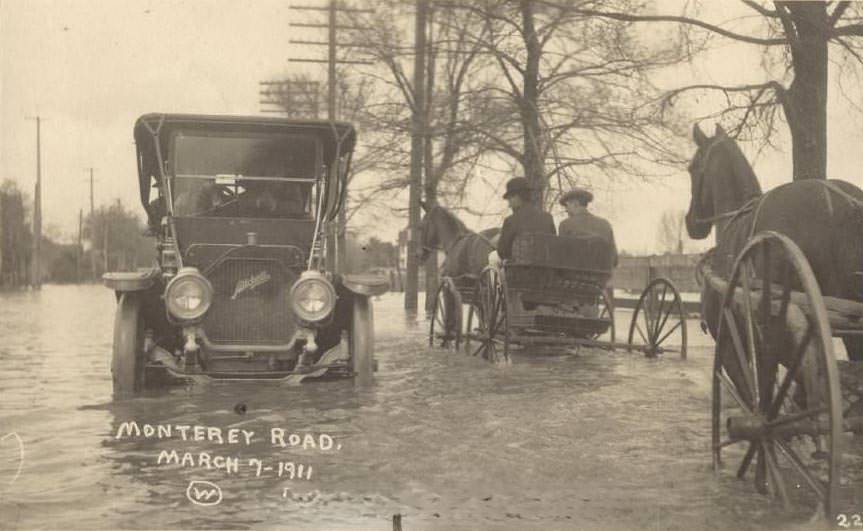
point(634, 272)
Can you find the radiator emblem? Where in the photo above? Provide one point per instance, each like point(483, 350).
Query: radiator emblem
point(252, 282)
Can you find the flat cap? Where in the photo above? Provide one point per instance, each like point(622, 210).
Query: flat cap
point(586, 196)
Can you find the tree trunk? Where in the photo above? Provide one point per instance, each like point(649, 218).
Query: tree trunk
point(431, 176)
point(805, 101)
point(417, 147)
point(533, 162)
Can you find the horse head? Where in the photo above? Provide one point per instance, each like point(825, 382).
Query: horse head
point(722, 181)
point(438, 229)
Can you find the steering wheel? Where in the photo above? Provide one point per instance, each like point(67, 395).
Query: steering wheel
point(222, 195)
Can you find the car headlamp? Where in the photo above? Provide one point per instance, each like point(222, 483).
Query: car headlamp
point(188, 295)
point(313, 297)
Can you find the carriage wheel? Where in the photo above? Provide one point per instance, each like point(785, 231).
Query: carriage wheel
point(776, 396)
point(660, 312)
point(470, 333)
point(446, 321)
point(606, 311)
point(492, 318)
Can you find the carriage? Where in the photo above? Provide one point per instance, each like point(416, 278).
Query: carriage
point(780, 287)
point(241, 289)
point(554, 292)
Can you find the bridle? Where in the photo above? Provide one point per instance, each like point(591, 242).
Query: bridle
point(427, 249)
point(701, 174)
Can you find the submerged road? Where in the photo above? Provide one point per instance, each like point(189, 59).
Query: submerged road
point(557, 440)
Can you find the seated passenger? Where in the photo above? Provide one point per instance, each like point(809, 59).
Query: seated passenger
point(198, 198)
point(583, 223)
point(526, 217)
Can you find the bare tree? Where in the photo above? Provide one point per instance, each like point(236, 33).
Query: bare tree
point(451, 147)
point(796, 45)
point(566, 92)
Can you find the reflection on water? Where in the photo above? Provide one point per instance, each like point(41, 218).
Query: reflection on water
point(560, 441)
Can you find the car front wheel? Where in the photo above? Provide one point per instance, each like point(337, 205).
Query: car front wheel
point(127, 364)
point(362, 339)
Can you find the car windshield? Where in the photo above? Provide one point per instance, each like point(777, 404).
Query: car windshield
point(265, 176)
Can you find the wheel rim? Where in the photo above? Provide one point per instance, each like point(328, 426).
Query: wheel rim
point(606, 312)
point(446, 316)
point(492, 317)
point(658, 323)
point(775, 383)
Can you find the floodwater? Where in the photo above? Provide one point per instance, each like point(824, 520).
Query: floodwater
point(586, 440)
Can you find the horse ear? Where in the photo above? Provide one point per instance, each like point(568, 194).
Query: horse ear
point(698, 135)
point(720, 131)
point(424, 206)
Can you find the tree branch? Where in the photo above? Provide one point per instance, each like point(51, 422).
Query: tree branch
point(625, 17)
point(838, 11)
point(760, 8)
point(849, 30)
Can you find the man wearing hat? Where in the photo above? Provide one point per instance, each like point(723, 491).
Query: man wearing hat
point(581, 222)
point(526, 217)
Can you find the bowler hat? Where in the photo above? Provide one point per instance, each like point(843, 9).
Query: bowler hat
point(583, 195)
point(517, 185)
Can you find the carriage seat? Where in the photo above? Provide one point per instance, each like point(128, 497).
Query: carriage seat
point(570, 259)
point(588, 253)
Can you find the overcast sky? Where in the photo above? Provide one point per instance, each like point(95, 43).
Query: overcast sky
point(90, 68)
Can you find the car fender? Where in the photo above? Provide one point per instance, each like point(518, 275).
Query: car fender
point(122, 282)
point(365, 285)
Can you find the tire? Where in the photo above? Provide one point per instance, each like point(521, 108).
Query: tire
point(493, 313)
point(362, 339)
point(127, 359)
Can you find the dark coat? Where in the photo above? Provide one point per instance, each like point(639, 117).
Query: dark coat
point(528, 218)
point(583, 223)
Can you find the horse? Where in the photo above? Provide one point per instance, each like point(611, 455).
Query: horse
point(466, 256)
point(824, 219)
point(466, 251)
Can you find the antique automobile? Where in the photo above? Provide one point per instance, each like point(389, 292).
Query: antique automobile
point(242, 289)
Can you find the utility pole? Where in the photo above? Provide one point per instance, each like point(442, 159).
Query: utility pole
point(336, 235)
point(105, 247)
point(80, 248)
point(417, 146)
point(92, 229)
point(36, 271)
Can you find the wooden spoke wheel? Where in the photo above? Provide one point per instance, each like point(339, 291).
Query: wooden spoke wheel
point(470, 333)
point(658, 323)
point(446, 322)
point(776, 395)
point(606, 312)
point(493, 332)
